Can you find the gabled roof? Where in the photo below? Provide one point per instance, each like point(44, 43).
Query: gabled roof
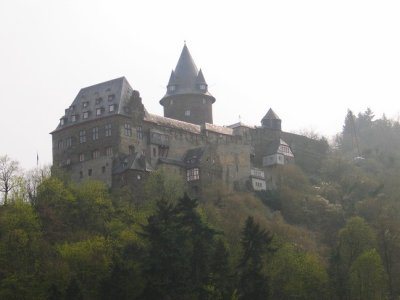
point(271, 115)
point(193, 157)
point(186, 78)
point(135, 161)
point(279, 146)
point(115, 92)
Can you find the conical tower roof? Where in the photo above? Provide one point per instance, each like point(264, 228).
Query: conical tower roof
point(186, 71)
point(186, 78)
point(200, 78)
point(271, 115)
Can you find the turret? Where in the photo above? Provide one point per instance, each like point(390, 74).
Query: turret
point(271, 121)
point(187, 97)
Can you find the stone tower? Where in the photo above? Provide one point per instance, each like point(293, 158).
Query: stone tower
point(271, 121)
point(187, 98)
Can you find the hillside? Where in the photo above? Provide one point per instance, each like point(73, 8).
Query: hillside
point(329, 231)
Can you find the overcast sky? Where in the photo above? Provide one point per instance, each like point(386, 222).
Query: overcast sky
point(308, 60)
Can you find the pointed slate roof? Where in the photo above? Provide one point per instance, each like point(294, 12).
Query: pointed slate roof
point(271, 115)
point(186, 78)
point(116, 92)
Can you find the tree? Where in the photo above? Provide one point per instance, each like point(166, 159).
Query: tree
point(355, 238)
point(256, 242)
point(9, 170)
point(367, 277)
point(295, 274)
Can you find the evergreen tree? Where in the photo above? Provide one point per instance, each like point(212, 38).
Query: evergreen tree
point(256, 242)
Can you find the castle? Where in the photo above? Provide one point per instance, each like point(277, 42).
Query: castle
point(107, 134)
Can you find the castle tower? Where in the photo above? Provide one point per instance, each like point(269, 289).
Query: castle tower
point(271, 121)
point(187, 98)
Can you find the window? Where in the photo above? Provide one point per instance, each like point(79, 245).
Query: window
point(68, 162)
point(62, 121)
point(108, 130)
point(81, 157)
point(89, 172)
point(187, 113)
point(68, 142)
point(95, 133)
point(172, 88)
point(82, 136)
point(109, 151)
point(139, 133)
point(98, 111)
point(73, 118)
point(85, 104)
point(192, 174)
point(111, 108)
point(80, 174)
point(171, 102)
point(204, 101)
point(96, 154)
point(85, 114)
point(154, 152)
point(131, 150)
point(60, 144)
point(99, 100)
point(128, 129)
point(103, 169)
point(111, 97)
point(202, 86)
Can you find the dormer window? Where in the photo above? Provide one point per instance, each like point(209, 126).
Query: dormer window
point(85, 104)
point(111, 108)
point(73, 118)
point(111, 97)
point(98, 111)
point(99, 100)
point(203, 87)
point(85, 114)
point(62, 121)
point(72, 108)
point(172, 88)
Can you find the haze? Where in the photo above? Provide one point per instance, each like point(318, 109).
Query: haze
point(308, 60)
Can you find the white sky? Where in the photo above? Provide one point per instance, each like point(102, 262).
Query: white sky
point(308, 60)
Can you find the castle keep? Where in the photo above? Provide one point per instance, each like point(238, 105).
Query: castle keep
point(107, 134)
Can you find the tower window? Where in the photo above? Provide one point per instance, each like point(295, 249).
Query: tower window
point(68, 142)
point(108, 130)
point(96, 154)
point(128, 129)
point(82, 136)
point(187, 113)
point(139, 133)
point(192, 174)
point(95, 133)
point(109, 151)
point(202, 86)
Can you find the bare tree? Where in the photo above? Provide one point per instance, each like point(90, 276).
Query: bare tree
point(9, 170)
